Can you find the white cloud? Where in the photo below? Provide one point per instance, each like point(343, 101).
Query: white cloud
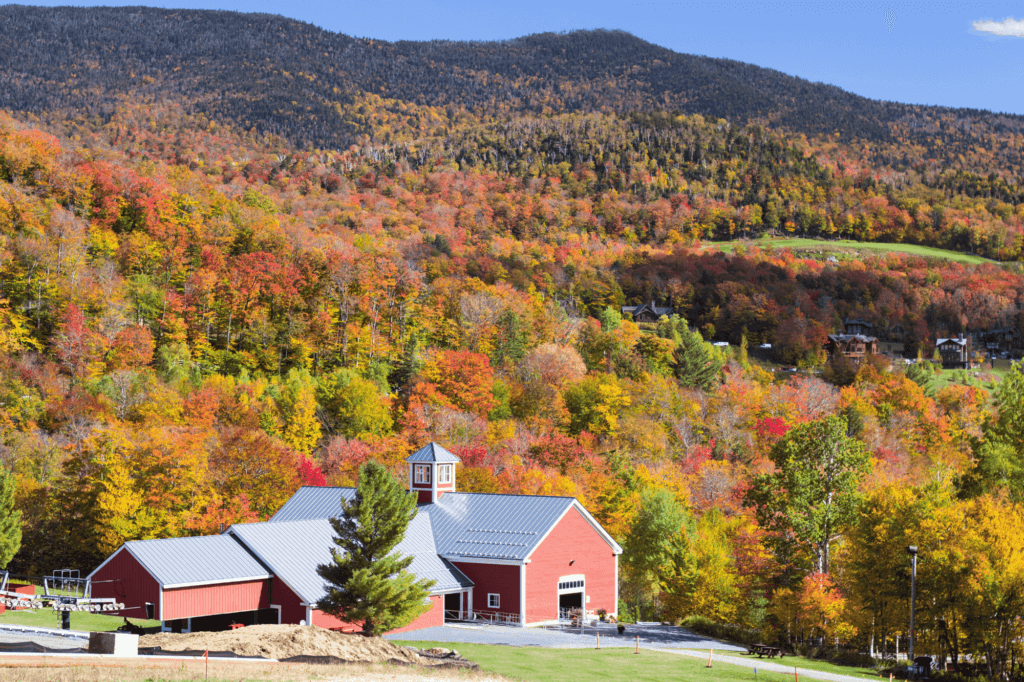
point(1007, 27)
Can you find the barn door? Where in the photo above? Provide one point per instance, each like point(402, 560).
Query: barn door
point(571, 595)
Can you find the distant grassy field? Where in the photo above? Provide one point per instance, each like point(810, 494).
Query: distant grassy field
point(82, 621)
point(534, 664)
point(820, 249)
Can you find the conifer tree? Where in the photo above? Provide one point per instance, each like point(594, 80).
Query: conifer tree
point(368, 581)
point(10, 520)
point(696, 362)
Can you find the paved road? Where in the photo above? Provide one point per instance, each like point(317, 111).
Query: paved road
point(44, 637)
point(651, 637)
point(769, 666)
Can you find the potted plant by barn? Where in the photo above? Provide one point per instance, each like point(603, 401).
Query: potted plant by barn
point(602, 614)
point(622, 628)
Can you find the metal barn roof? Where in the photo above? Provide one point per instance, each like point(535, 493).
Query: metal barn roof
point(493, 526)
point(180, 562)
point(432, 452)
point(294, 549)
point(506, 527)
point(313, 502)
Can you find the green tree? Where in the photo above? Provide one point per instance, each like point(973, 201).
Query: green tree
point(1000, 463)
point(648, 545)
point(813, 494)
point(368, 580)
point(697, 363)
point(10, 519)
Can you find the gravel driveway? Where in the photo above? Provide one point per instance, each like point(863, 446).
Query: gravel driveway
point(651, 637)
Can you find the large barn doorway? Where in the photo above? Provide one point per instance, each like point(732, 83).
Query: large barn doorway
point(571, 596)
point(453, 606)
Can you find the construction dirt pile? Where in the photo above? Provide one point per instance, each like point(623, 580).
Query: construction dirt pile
point(301, 642)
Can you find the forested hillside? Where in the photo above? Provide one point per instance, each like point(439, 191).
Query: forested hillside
point(209, 298)
point(328, 90)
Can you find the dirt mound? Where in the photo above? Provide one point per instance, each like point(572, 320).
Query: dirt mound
point(288, 641)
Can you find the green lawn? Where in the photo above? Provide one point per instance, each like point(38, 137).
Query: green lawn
point(820, 249)
point(534, 664)
point(85, 622)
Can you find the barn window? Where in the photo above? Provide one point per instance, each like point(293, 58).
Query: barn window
point(444, 473)
point(493, 601)
point(423, 473)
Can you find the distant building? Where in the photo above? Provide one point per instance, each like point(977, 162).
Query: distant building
point(648, 312)
point(955, 352)
point(854, 347)
point(856, 326)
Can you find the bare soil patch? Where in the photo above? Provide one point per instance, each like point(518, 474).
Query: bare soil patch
point(283, 642)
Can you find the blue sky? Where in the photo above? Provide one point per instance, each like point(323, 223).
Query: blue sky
point(916, 52)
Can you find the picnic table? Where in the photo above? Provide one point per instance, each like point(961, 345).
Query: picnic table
point(764, 650)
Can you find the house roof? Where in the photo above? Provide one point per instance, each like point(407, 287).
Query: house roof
point(846, 338)
point(294, 549)
point(182, 562)
point(313, 502)
point(959, 342)
point(478, 525)
point(432, 452)
point(650, 305)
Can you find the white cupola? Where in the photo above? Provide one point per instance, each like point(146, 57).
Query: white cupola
point(431, 473)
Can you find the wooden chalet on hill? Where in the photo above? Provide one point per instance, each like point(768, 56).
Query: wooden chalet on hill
point(853, 344)
point(647, 312)
point(858, 326)
point(955, 352)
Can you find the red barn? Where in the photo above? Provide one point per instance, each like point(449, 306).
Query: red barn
point(513, 558)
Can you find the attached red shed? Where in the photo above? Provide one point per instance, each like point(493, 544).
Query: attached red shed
point(184, 578)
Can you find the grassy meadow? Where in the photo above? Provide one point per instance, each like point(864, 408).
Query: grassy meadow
point(842, 250)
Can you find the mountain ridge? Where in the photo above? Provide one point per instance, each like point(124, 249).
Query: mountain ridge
point(292, 78)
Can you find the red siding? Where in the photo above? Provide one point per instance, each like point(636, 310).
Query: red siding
point(435, 616)
point(292, 610)
point(432, 618)
point(423, 496)
point(493, 579)
point(124, 579)
point(573, 539)
point(210, 600)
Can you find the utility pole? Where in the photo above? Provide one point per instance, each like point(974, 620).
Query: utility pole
point(912, 550)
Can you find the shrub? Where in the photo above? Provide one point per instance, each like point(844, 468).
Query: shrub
point(734, 633)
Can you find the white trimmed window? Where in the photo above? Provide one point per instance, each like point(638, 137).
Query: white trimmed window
point(422, 473)
point(444, 473)
point(493, 601)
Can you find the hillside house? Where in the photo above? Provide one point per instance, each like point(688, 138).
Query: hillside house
point(517, 559)
point(854, 347)
point(955, 352)
point(858, 327)
point(648, 312)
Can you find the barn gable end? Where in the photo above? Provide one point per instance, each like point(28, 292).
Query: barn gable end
point(573, 552)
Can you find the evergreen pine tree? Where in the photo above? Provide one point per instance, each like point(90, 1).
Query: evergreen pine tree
point(696, 364)
point(367, 580)
point(10, 520)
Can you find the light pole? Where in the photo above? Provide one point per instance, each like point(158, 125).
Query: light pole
point(913, 587)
